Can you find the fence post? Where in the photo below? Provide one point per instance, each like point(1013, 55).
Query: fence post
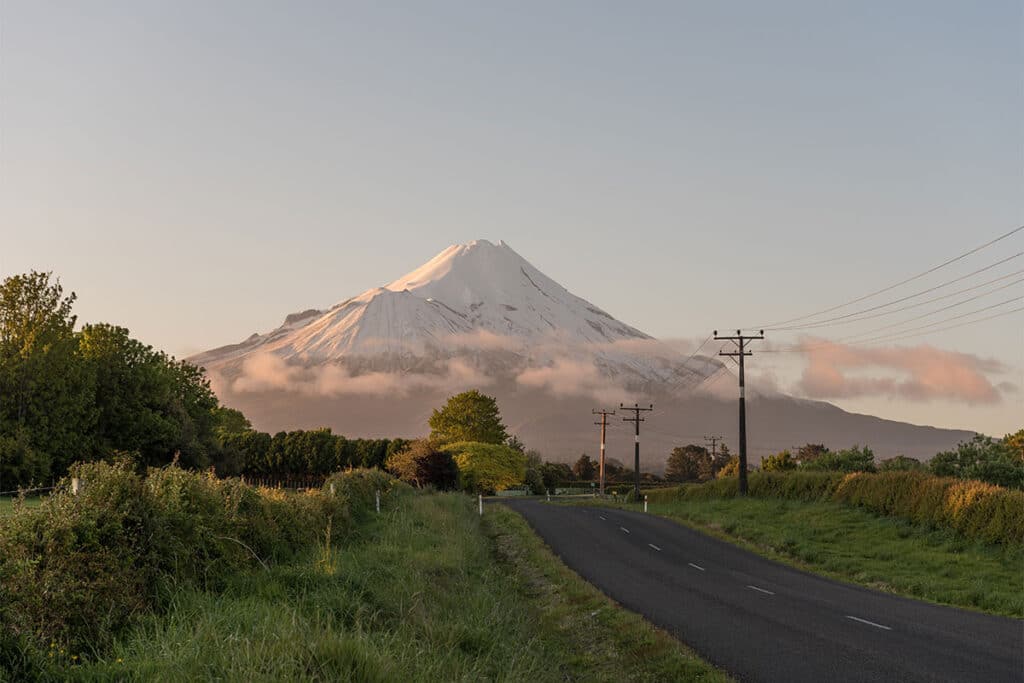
point(378, 501)
point(331, 487)
point(74, 486)
point(645, 503)
point(481, 500)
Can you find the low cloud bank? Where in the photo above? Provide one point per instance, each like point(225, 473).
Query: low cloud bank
point(913, 373)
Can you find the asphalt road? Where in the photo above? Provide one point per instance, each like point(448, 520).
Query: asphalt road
point(764, 621)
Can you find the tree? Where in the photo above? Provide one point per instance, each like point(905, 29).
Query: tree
point(780, 462)
point(901, 463)
point(1015, 442)
point(982, 458)
point(585, 469)
point(515, 443)
point(855, 459)
point(468, 417)
point(810, 452)
point(688, 463)
point(46, 392)
point(422, 464)
point(487, 467)
point(554, 473)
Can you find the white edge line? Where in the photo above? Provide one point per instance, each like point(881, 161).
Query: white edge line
point(624, 529)
point(696, 566)
point(869, 623)
point(761, 589)
point(655, 547)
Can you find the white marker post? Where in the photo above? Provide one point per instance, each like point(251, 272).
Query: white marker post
point(645, 503)
point(481, 499)
point(378, 502)
point(74, 486)
point(331, 487)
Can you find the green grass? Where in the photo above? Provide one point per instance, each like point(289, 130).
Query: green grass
point(854, 545)
point(427, 592)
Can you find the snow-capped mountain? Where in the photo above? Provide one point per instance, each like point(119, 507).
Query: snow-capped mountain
point(479, 316)
point(480, 302)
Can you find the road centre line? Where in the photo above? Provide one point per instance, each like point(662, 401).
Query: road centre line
point(604, 518)
point(624, 529)
point(761, 589)
point(696, 566)
point(655, 547)
point(869, 623)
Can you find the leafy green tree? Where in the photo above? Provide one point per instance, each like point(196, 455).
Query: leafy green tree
point(554, 473)
point(688, 463)
point(585, 469)
point(901, 463)
point(982, 458)
point(487, 467)
point(855, 459)
point(46, 392)
point(469, 416)
point(1015, 442)
point(780, 462)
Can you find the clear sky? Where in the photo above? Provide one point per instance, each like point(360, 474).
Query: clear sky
point(197, 170)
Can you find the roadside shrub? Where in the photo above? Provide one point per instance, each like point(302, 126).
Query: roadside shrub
point(422, 464)
point(79, 568)
point(665, 494)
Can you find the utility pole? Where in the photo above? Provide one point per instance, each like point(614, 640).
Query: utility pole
point(741, 340)
point(604, 426)
point(636, 420)
point(713, 440)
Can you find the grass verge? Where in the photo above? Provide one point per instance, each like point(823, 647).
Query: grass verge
point(426, 591)
point(851, 544)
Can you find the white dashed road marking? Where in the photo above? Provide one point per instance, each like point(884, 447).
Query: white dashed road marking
point(869, 623)
point(696, 566)
point(624, 529)
point(655, 547)
point(760, 589)
point(604, 518)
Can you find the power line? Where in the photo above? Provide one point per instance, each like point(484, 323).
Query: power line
point(931, 313)
point(849, 317)
point(884, 337)
point(964, 324)
point(898, 284)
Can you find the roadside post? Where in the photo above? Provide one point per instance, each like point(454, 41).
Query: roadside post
point(481, 500)
point(378, 501)
point(645, 502)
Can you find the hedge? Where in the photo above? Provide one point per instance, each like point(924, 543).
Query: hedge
point(973, 508)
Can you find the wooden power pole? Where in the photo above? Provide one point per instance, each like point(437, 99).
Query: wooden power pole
point(741, 340)
point(604, 426)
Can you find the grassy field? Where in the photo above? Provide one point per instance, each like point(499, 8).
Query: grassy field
point(427, 592)
point(854, 545)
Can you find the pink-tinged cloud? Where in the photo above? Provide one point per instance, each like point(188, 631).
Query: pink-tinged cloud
point(567, 377)
point(267, 372)
point(915, 373)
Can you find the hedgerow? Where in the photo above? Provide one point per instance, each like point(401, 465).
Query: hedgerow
point(973, 508)
point(77, 569)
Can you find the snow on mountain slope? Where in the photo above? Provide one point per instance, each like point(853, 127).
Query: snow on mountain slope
point(480, 301)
